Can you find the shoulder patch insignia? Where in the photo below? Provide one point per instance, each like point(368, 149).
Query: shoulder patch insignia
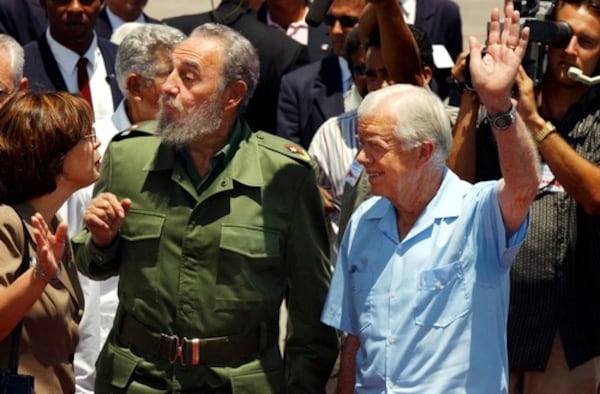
point(298, 151)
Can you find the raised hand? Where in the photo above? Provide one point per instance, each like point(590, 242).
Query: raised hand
point(493, 75)
point(104, 217)
point(50, 247)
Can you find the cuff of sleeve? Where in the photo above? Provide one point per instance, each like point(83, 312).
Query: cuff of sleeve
point(102, 255)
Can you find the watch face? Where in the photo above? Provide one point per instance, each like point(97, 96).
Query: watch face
point(503, 121)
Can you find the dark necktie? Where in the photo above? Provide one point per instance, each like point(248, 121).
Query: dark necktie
point(83, 81)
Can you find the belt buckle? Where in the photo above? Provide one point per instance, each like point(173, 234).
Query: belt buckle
point(174, 347)
point(194, 355)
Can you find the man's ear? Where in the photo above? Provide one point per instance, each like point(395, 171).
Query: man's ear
point(24, 84)
point(234, 94)
point(134, 86)
point(425, 151)
point(427, 74)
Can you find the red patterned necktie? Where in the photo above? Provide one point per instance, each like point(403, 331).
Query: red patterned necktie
point(83, 81)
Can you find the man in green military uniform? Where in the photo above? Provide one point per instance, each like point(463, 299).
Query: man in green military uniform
point(210, 227)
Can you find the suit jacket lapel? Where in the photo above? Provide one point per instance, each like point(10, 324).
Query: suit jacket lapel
point(329, 98)
point(50, 65)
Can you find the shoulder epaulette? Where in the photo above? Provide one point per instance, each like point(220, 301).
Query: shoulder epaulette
point(142, 129)
point(283, 146)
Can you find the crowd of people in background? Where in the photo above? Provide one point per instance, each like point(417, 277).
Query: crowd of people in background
point(236, 201)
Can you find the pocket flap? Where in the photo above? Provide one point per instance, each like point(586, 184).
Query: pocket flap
point(140, 225)
point(256, 242)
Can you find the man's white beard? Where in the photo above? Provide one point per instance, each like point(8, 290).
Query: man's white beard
point(203, 120)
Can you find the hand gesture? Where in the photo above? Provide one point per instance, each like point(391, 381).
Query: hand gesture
point(525, 95)
point(50, 247)
point(493, 74)
point(104, 217)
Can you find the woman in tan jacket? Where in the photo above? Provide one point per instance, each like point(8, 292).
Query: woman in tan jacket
point(47, 151)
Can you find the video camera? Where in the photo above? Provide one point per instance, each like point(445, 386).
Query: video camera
point(543, 31)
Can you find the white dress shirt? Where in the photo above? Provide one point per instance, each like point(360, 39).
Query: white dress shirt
point(99, 86)
point(101, 299)
point(116, 21)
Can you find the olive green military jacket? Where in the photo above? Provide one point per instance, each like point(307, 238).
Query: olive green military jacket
point(215, 264)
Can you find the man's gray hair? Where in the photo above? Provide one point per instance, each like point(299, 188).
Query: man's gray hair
point(140, 51)
point(16, 55)
point(418, 114)
point(240, 58)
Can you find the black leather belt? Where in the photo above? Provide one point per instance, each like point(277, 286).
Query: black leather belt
point(224, 350)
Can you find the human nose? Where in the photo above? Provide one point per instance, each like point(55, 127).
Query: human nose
point(75, 6)
point(336, 28)
point(169, 86)
point(572, 47)
point(362, 157)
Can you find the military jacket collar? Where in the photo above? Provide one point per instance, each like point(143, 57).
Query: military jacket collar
point(243, 168)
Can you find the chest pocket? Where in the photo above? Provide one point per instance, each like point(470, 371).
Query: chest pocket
point(442, 296)
point(250, 268)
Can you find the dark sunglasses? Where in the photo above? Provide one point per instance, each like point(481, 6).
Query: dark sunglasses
point(345, 20)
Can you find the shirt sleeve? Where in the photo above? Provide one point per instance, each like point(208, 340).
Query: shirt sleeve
point(491, 222)
point(311, 347)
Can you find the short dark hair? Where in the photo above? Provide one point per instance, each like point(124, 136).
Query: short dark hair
point(37, 130)
point(424, 45)
point(352, 44)
point(421, 38)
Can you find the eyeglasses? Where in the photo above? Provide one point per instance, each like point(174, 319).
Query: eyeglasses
point(359, 69)
point(91, 136)
point(345, 20)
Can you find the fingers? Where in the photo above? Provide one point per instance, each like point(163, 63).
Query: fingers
point(494, 29)
point(475, 53)
point(510, 29)
point(521, 48)
point(125, 204)
point(39, 225)
point(458, 70)
point(60, 236)
point(104, 217)
point(105, 211)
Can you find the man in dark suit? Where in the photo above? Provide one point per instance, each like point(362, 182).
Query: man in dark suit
point(51, 60)
point(288, 17)
point(118, 12)
point(316, 92)
point(441, 20)
point(277, 53)
point(24, 20)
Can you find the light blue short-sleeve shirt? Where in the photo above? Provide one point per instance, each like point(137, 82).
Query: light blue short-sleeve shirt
point(430, 311)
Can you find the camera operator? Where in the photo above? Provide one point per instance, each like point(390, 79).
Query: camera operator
point(554, 319)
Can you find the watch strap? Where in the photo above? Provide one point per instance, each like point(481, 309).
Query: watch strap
point(544, 132)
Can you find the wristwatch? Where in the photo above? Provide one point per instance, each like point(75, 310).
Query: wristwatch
point(503, 120)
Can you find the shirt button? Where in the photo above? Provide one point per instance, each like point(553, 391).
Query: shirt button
point(438, 285)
